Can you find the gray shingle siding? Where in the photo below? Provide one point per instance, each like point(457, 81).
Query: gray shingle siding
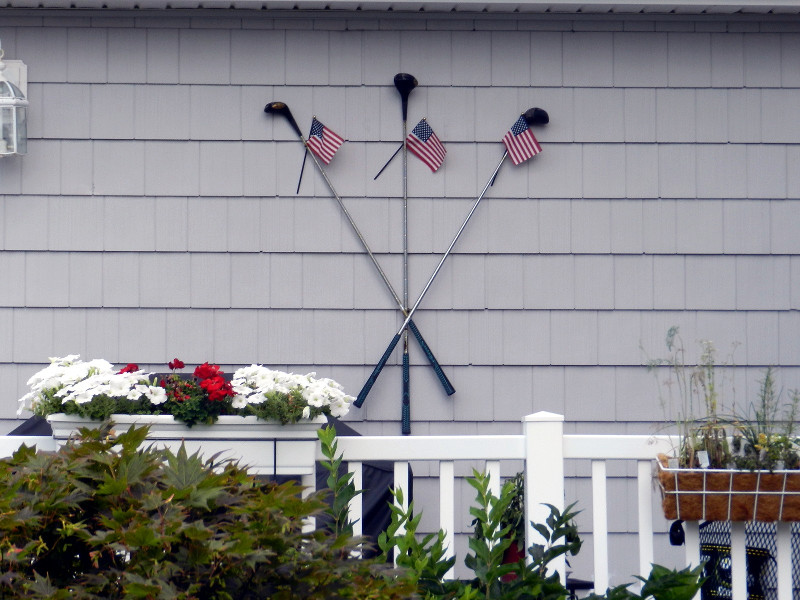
point(160, 219)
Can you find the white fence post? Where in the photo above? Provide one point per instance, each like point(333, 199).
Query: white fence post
point(544, 473)
point(600, 524)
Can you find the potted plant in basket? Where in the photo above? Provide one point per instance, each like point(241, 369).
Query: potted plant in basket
point(728, 466)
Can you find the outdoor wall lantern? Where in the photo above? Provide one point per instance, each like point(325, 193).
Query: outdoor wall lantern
point(13, 109)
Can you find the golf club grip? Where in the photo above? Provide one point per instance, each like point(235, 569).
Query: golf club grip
point(448, 387)
point(406, 416)
point(362, 395)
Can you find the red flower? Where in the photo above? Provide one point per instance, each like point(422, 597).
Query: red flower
point(176, 364)
point(129, 368)
point(216, 388)
point(206, 371)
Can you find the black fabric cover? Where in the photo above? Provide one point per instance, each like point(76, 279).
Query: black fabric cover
point(34, 426)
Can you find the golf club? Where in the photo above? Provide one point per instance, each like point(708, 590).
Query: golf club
point(405, 83)
point(533, 116)
point(282, 109)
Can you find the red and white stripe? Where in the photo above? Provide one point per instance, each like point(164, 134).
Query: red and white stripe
point(431, 152)
point(324, 142)
point(521, 146)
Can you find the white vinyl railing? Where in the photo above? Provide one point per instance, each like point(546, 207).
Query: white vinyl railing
point(544, 450)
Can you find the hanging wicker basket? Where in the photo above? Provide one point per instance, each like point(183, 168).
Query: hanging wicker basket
point(728, 494)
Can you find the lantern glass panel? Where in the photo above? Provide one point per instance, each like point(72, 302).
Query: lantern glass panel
point(7, 130)
point(9, 90)
point(22, 130)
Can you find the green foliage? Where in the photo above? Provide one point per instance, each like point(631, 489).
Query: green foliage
point(765, 437)
point(669, 584)
point(532, 579)
point(108, 518)
point(423, 559)
point(691, 395)
point(284, 408)
point(426, 566)
point(187, 401)
point(514, 515)
point(341, 485)
point(661, 584)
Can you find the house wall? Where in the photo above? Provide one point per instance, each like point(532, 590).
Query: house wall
point(155, 215)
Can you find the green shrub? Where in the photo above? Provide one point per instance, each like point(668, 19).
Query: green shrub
point(107, 518)
point(493, 579)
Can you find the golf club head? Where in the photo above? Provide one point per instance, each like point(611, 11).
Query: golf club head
point(404, 84)
point(280, 108)
point(536, 116)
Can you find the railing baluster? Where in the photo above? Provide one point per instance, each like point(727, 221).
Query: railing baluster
point(309, 483)
point(691, 530)
point(784, 558)
point(355, 508)
point(493, 470)
point(447, 511)
point(401, 482)
point(644, 479)
point(600, 525)
point(738, 561)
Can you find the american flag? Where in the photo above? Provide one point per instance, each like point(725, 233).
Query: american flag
point(323, 142)
point(520, 143)
point(425, 145)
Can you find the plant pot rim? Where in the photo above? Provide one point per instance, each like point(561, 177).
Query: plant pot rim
point(168, 427)
point(663, 467)
point(221, 420)
point(728, 494)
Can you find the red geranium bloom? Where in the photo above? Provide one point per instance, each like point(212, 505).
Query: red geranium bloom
point(129, 368)
point(176, 364)
point(206, 371)
point(216, 388)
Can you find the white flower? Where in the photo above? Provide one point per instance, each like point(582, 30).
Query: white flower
point(72, 379)
point(156, 394)
point(253, 383)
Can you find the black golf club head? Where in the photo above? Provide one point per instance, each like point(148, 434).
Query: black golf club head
point(404, 84)
point(536, 116)
point(280, 108)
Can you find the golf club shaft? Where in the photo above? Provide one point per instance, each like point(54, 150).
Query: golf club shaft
point(448, 387)
point(302, 168)
point(382, 362)
point(400, 147)
point(406, 402)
